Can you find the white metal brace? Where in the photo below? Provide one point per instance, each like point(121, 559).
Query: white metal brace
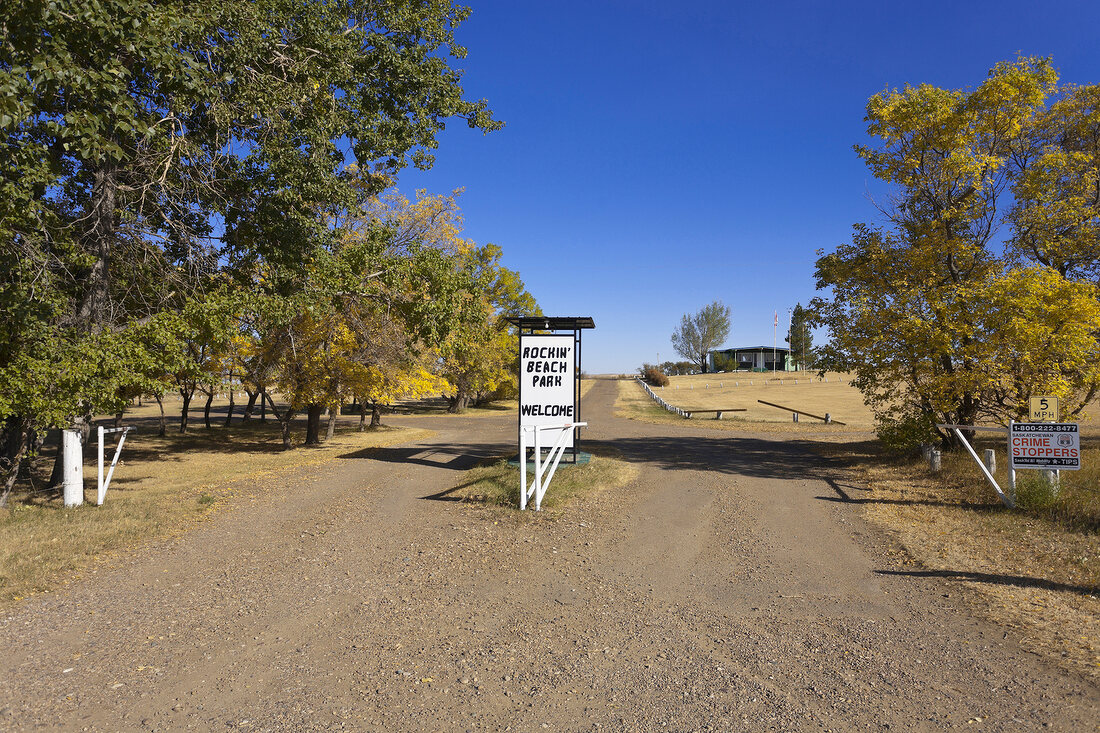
point(1009, 500)
point(540, 484)
point(102, 485)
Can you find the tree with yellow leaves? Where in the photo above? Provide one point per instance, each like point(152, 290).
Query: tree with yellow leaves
point(479, 358)
point(936, 323)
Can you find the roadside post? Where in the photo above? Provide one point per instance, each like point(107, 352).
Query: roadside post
point(72, 465)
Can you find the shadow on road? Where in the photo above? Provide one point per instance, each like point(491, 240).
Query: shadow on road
point(734, 455)
point(453, 456)
point(1021, 581)
point(843, 497)
point(757, 458)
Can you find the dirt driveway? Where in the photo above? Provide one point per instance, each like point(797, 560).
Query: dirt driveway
point(725, 589)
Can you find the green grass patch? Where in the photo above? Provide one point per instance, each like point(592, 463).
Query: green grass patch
point(1076, 503)
point(497, 483)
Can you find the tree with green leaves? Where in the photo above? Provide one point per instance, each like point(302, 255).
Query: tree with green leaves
point(800, 338)
point(132, 127)
point(479, 358)
point(701, 333)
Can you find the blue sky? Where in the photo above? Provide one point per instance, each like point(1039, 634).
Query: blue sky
point(658, 156)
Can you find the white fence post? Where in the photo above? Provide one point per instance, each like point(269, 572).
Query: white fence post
point(522, 469)
point(990, 460)
point(72, 467)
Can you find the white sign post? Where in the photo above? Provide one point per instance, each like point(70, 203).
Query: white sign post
point(547, 393)
point(1049, 446)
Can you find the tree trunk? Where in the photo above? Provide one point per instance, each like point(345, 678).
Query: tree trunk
point(206, 407)
point(284, 420)
point(98, 241)
point(459, 402)
point(375, 416)
point(331, 424)
point(186, 394)
point(15, 449)
point(362, 416)
point(162, 429)
point(313, 424)
point(251, 404)
point(263, 405)
point(229, 413)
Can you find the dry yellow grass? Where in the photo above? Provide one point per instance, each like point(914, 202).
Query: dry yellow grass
point(797, 390)
point(635, 404)
point(161, 486)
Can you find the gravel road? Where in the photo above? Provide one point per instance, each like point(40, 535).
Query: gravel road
point(724, 589)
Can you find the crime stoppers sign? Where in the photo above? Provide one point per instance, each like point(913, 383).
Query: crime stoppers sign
point(1045, 445)
point(547, 393)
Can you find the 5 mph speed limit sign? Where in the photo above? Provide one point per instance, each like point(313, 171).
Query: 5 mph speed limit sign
point(1044, 409)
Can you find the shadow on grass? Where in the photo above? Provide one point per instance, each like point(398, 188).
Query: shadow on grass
point(1020, 581)
point(843, 497)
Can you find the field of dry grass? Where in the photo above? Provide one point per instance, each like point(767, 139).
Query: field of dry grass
point(803, 391)
point(700, 392)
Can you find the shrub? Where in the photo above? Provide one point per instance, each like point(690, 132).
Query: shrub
point(905, 434)
point(654, 376)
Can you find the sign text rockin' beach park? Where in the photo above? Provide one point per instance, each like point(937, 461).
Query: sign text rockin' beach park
point(547, 393)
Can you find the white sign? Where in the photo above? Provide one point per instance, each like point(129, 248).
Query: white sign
point(547, 369)
point(1045, 445)
point(1044, 409)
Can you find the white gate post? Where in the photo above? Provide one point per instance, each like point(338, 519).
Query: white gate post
point(72, 468)
point(99, 485)
point(522, 469)
point(1011, 467)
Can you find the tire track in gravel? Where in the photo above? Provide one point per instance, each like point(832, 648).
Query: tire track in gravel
point(718, 591)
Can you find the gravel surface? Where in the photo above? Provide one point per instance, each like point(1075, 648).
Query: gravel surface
point(719, 591)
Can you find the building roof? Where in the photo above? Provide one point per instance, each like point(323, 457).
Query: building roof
point(753, 348)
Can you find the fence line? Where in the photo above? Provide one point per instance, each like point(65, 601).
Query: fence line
point(657, 398)
point(767, 382)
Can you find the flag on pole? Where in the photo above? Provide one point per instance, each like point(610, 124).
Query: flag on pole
point(776, 318)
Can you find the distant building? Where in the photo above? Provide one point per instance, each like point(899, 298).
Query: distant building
point(749, 358)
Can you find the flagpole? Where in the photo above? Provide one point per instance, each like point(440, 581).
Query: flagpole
point(775, 325)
